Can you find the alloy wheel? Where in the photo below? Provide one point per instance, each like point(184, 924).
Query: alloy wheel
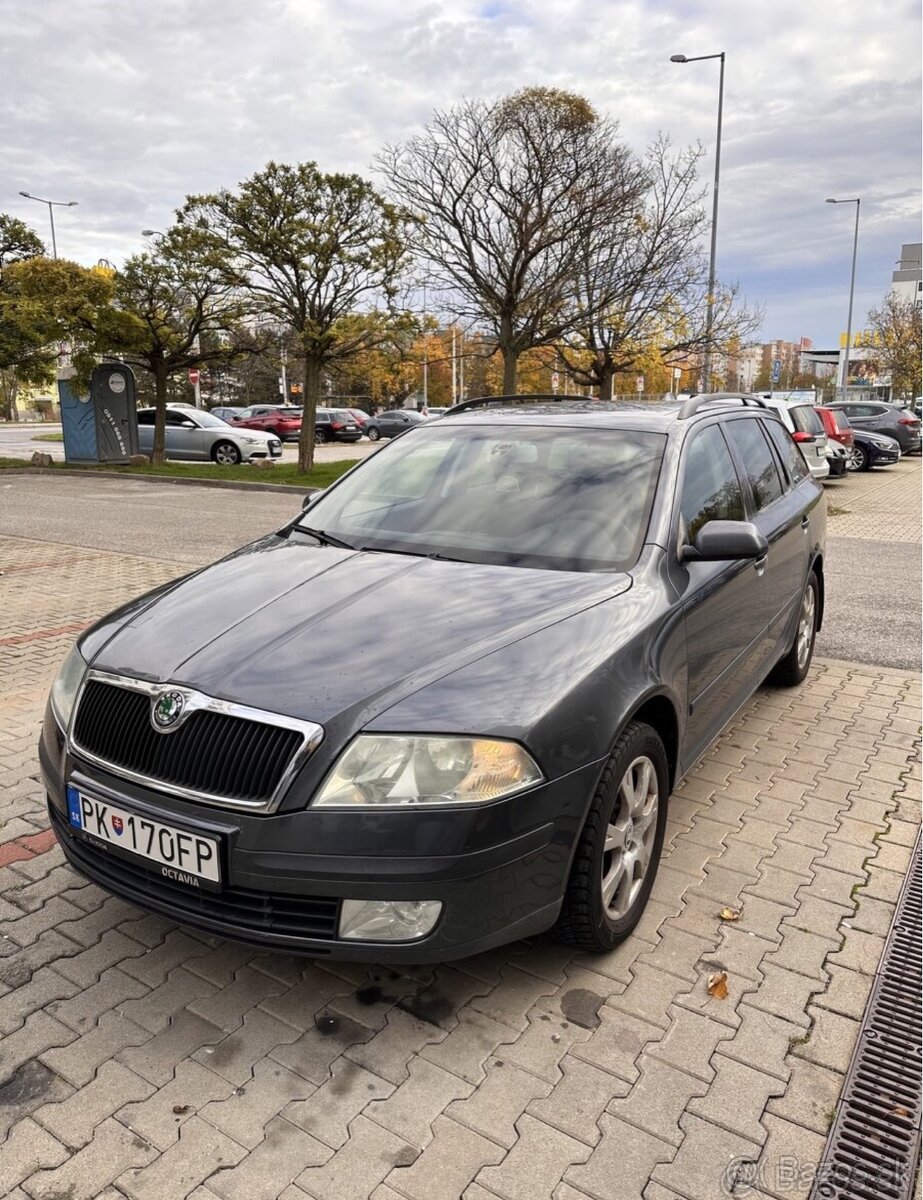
point(630, 837)
point(806, 626)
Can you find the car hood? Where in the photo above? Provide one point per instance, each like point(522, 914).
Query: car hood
point(315, 632)
point(882, 440)
point(260, 434)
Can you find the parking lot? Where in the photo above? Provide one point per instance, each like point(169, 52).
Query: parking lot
point(139, 1059)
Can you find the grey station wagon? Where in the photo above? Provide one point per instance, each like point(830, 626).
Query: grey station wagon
point(565, 602)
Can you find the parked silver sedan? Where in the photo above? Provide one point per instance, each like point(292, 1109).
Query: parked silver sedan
point(203, 437)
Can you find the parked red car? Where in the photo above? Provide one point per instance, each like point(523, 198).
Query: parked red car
point(834, 430)
point(283, 420)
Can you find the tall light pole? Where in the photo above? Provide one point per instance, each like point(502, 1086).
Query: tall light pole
point(710, 310)
point(52, 205)
point(844, 380)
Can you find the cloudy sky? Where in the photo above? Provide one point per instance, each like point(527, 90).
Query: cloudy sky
point(126, 107)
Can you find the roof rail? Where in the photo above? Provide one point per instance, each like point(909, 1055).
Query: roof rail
point(694, 403)
point(524, 398)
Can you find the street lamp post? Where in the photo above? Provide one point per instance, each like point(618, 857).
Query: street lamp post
point(710, 310)
point(52, 205)
point(844, 380)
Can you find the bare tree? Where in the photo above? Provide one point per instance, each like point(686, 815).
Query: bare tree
point(505, 193)
point(643, 281)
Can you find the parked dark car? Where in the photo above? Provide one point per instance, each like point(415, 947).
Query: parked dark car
point(335, 425)
point(227, 412)
point(281, 420)
point(898, 423)
point(872, 450)
point(393, 422)
point(570, 600)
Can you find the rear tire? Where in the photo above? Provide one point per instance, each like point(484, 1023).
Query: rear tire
point(320, 438)
point(618, 853)
point(226, 454)
point(793, 668)
point(374, 434)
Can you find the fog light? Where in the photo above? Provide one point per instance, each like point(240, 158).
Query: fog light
point(388, 920)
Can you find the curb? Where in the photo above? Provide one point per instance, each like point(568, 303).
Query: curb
point(228, 484)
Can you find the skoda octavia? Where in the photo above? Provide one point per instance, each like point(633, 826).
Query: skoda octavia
point(562, 603)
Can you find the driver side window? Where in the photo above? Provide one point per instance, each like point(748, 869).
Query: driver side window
point(711, 489)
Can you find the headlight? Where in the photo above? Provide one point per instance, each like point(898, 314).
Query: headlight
point(395, 771)
point(65, 687)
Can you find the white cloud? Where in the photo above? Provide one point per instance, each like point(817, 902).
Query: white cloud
point(128, 107)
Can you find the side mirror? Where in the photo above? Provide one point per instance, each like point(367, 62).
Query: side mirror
point(310, 498)
point(189, 425)
point(719, 541)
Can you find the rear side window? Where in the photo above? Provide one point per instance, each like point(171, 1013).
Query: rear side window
point(791, 456)
point(806, 420)
point(750, 442)
point(711, 489)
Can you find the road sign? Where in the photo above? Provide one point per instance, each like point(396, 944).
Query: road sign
point(193, 376)
point(776, 370)
point(639, 383)
point(677, 372)
point(555, 380)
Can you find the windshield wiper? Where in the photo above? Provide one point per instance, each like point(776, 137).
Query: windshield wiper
point(326, 539)
point(412, 553)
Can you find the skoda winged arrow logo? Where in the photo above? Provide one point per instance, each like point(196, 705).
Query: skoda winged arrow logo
point(166, 709)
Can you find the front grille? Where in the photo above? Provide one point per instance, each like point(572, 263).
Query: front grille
point(279, 914)
point(211, 753)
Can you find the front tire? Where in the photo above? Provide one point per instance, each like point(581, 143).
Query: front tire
point(226, 454)
point(320, 437)
point(618, 854)
point(860, 459)
point(793, 668)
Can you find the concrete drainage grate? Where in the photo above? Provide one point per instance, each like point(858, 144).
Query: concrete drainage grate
point(873, 1149)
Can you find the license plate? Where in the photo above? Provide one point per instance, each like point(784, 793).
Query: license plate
point(180, 856)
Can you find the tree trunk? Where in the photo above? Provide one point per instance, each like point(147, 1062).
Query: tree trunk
point(160, 414)
point(605, 373)
point(312, 374)
point(510, 362)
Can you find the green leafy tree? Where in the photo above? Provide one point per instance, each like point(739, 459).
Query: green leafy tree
point(318, 254)
point(896, 325)
point(506, 193)
point(26, 359)
point(162, 313)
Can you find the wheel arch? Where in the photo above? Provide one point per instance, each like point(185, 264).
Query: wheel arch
point(659, 711)
point(817, 566)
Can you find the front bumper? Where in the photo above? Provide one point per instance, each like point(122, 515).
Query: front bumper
point(501, 877)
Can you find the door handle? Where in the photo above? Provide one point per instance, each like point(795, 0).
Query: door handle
point(760, 565)
point(805, 522)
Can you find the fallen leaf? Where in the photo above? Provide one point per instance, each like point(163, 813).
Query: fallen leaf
point(180, 1109)
point(718, 985)
point(730, 914)
point(899, 1112)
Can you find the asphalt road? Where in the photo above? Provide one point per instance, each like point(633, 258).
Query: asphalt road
point(873, 584)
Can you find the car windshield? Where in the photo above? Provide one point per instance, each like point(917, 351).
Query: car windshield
point(209, 420)
point(556, 497)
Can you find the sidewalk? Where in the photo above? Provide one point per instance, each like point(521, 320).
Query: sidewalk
point(141, 1060)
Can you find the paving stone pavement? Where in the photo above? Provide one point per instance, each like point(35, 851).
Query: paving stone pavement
point(142, 1060)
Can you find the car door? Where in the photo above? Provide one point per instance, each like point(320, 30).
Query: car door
point(181, 435)
point(725, 604)
point(146, 431)
point(778, 511)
